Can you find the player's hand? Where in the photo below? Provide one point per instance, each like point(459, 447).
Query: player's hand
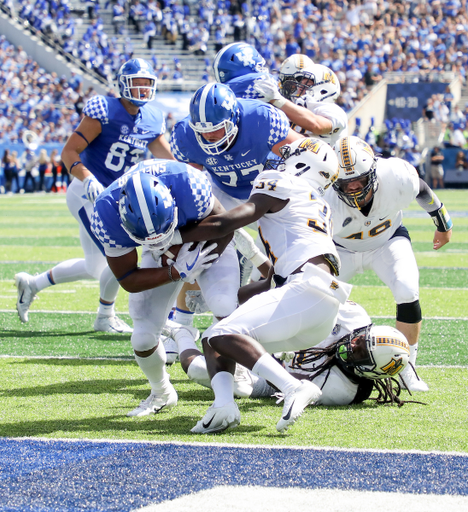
point(92, 187)
point(269, 92)
point(245, 244)
point(307, 101)
point(440, 239)
point(196, 302)
point(190, 264)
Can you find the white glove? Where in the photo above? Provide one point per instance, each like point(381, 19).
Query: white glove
point(245, 244)
point(195, 301)
point(190, 264)
point(307, 101)
point(269, 92)
point(92, 187)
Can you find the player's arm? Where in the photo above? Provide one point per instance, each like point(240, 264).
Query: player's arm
point(134, 279)
point(79, 140)
point(160, 148)
point(297, 114)
point(291, 137)
point(218, 226)
point(428, 200)
point(303, 117)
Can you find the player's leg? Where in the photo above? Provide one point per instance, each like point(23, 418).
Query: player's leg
point(149, 310)
point(396, 266)
point(89, 267)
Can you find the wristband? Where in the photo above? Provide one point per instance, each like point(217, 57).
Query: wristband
point(259, 259)
point(279, 103)
point(441, 219)
point(74, 164)
point(169, 272)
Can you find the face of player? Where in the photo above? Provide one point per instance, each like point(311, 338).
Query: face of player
point(355, 186)
point(359, 349)
point(215, 136)
point(303, 86)
point(139, 90)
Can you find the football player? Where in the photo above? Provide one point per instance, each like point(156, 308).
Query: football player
point(295, 228)
point(367, 202)
point(307, 95)
point(347, 366)
point(240, 66)
point(145, 207)
point(113, 135)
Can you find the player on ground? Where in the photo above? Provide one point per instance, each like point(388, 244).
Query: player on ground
point(294, 224)
point(366, 203)
point(145, 207)
point(347, 366)
point(307, 95)
point(113, 135)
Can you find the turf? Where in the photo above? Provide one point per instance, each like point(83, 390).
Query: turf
point(61, 379)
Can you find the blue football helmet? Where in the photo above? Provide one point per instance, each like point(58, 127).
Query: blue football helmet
point(213, 107)
point(237, 59)
point(132, 69)
point(147, 211)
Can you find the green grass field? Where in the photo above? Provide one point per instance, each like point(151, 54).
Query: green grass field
point(60, 379)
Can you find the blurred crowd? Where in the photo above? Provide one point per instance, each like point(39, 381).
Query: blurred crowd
point(360, 40)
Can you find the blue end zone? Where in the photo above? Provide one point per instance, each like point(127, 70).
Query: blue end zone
point(41, 475)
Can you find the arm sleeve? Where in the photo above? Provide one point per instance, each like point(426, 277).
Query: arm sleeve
point(97, 108)
point(426, 198)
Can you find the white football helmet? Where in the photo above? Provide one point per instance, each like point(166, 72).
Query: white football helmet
point(326, 86)
point(375, 352)
point(356, 161)
point(312, 160)
point(295, 76)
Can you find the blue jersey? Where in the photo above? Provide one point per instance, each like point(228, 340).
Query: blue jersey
point(124, 138)
point(261, 126)
point(243, 86)
point(189, 187)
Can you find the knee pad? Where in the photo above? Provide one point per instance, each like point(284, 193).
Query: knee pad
point(143, 341)
point(198, 373)
point(409, 312)
point(222, 305)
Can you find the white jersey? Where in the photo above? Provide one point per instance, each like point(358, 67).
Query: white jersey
point(332, 112)
point(298, 232)
point(398, 186)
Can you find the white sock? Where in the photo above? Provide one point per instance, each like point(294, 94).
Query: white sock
point(223, 387)
point(154, 367)
point(43, 281)
point(108, 286)
point(273, 372)
point(183, 317)
point(106, 309)
point(413, 353)
point(185, 341)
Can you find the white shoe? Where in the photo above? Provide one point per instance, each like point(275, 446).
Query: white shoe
point(295, 402)
point(111, 324)
point(218, 419)
point(411, 381)
point(171, 329)
point(156, 403)
point(172, 351)
point(26, 294)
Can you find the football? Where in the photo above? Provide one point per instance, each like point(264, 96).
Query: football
point(170, 254)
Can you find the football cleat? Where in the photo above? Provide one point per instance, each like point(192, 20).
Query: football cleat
point(111, 324)
point(172, 329)
point(156, 403)
point(295, 402)
point(218, 419)
point(411, 381)
point(26, 294)
point(172, 351)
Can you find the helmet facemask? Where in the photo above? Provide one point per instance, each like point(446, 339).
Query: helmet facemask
point(223, 144)
point(358, 199)
point(297, 85)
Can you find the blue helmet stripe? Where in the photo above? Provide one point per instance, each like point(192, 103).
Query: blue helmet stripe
point(142, 203)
